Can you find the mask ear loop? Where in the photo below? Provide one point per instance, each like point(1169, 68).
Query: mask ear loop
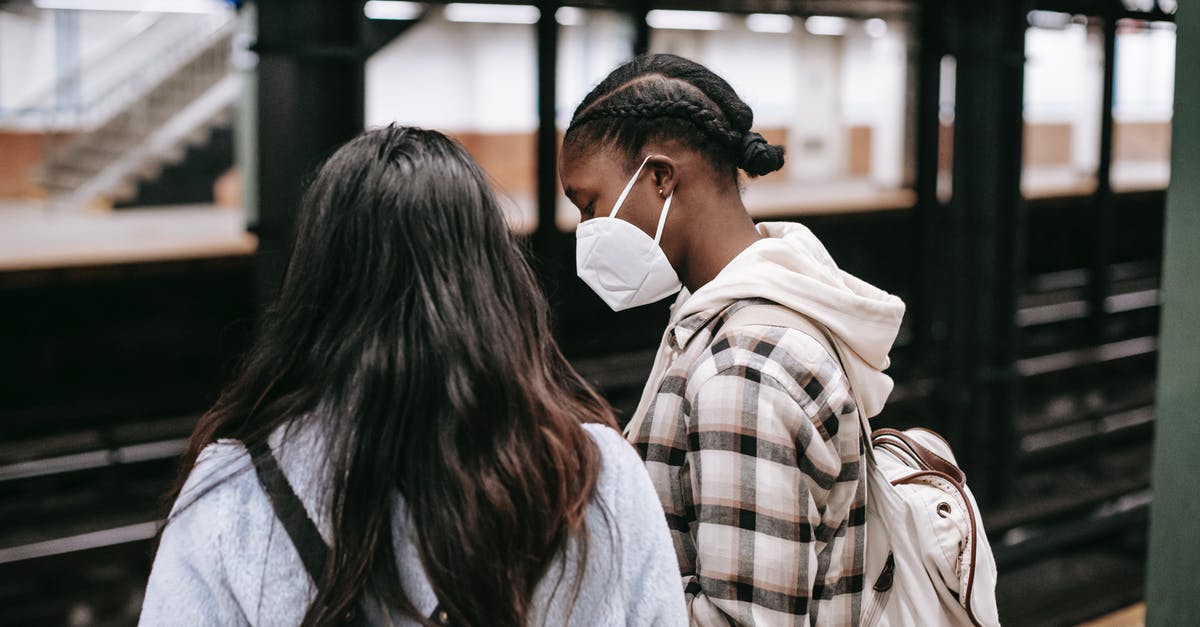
point(628, 188)
point(662, 219)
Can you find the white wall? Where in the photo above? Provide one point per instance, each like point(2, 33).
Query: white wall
point(1064, 84)
point(1064, 81)
point(1085, 139)
point(790, 80)
point(26, 56)
point(474, 77)
point(423, 78)
point(1058, 67)
point(815, 86)
point(1064, 74)
point(1145, 74)
point(765, 69)
point(483, 77)
point(455, 77)
point(873, 94)
point(817, 132)
point(586, 54)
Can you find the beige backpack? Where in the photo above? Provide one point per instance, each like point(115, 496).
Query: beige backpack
point(928, 562)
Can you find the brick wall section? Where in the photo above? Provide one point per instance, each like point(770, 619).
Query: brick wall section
point(19, 155)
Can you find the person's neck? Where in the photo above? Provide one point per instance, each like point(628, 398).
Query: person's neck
point(724, 234)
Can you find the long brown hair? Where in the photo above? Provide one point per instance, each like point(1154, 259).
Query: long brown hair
point(411, 327)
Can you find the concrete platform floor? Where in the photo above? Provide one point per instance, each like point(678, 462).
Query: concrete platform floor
point(34, 237)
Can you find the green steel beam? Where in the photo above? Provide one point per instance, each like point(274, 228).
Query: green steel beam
point(1173, 588)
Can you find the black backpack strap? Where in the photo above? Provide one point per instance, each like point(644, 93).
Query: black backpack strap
point(290, 511)
point(300, 528)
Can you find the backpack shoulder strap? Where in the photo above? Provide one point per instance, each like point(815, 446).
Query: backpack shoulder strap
point(299, 527)
point(773, 315)
point(290, 511)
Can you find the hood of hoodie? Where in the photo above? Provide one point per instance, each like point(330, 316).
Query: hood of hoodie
point(791, 267)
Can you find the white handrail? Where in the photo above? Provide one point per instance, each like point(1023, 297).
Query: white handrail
point(185, 46)
point(133, 28)
point(121, 95)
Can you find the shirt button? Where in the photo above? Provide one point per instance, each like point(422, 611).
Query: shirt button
point(443, 617)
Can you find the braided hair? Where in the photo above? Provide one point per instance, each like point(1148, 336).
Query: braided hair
point(664, 96)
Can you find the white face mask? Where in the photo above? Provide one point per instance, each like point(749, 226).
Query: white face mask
point(622, 264)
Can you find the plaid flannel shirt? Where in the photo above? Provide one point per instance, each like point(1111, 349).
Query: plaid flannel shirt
point(752, 442)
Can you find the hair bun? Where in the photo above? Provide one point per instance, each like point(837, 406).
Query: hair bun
point(758, 156)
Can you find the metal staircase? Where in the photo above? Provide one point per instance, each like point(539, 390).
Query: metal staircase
point(145, 120)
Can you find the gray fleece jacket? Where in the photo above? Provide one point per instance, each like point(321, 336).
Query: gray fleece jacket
point(225, 559)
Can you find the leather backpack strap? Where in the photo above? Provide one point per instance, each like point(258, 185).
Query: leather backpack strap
point(929, 458)
point(776, 315)
point(302, 531)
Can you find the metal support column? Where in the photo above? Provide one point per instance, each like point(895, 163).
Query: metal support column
point(1104, 217)
point(984, 237)
point(927, 312)
point(1171, 597)
point(310, 97)
point(641, 30)
point(245, 125)
point(547, 239)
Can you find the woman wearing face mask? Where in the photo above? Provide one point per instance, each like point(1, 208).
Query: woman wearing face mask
point(405, 435)
point(749, 430)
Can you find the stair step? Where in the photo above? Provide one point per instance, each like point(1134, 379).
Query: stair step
point(122, 139)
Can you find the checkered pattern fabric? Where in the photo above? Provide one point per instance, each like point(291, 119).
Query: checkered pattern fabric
point(752, 442)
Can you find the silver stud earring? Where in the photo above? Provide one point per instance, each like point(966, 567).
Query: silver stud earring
point(660, 191)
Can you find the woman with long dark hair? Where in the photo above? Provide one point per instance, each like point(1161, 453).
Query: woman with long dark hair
point(747, 424)
point(405, 444)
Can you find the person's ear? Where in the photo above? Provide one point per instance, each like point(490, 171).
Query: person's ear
point(664, 174)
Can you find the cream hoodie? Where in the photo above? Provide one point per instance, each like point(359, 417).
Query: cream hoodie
point(790, 266)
